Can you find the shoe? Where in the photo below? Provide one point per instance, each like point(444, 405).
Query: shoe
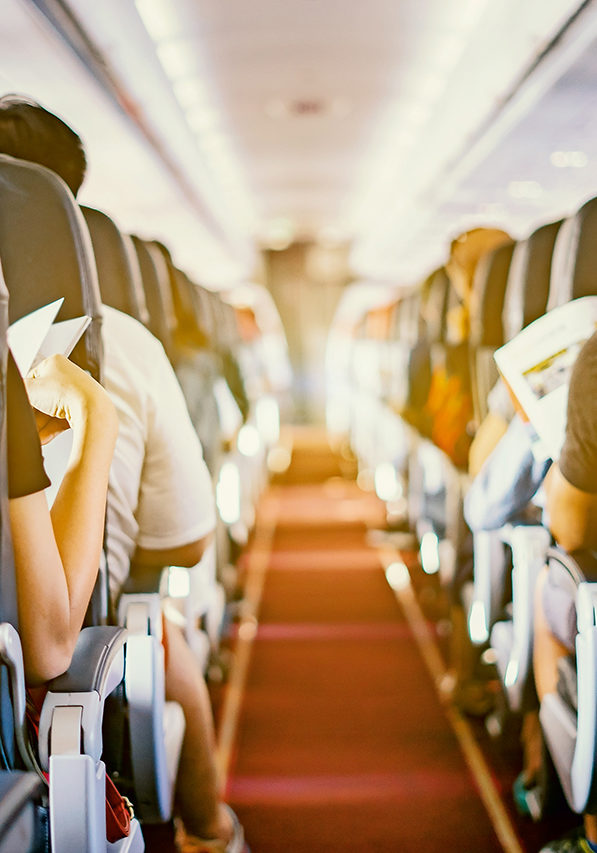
point(528, 798)
point(186, 843)
point(573, 842)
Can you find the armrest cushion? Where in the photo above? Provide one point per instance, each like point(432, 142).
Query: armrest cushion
point(97, 669)
point(96, 651)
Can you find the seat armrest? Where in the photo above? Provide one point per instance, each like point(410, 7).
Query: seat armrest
point(93, 663)
point(580, 565)
point(78, 695)
point(584, 765)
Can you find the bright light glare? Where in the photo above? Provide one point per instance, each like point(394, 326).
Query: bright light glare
point(398, 576)
point(525, 189)
point(477, 624)
point(248, 441)
point(178, 58)
point(278, 460)
point(279, 234)
point(228, 493)
point(179, 582)
point(429, 550)
point(267, 415)
point(191, 92)
point(511, 673)
point(337, 416)
point(569, 159)
point(489, 657)
point(159, 18)
point(386, 482)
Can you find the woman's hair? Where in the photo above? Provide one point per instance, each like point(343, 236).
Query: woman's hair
point(30, 132)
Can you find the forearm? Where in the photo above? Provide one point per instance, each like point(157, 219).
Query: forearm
point(57, 555)
point(572, 513)
point(78, 511)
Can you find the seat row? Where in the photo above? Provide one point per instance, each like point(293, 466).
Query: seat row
point(107, 717)
point(415, 392)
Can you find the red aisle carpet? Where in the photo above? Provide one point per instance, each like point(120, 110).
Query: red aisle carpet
point(342, 744)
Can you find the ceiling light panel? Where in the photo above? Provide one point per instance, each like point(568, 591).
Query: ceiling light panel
point(124, 177)
point(158, 58)
point(481, 77)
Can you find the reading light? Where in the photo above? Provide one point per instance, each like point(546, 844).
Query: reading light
point(477, 624)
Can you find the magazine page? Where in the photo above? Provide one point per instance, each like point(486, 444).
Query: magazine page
point(35, 336)
point(62, 338)
point(26, 335)
point(537, 363)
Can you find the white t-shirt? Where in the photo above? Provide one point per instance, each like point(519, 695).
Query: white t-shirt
point(160, 493)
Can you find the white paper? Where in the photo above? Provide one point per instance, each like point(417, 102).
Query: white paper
point(537, 364)
point(26, 335)
point(35, 336)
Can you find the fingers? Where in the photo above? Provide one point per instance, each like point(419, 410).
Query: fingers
point(47, 427)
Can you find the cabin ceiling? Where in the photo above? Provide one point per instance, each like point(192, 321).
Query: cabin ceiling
point(222, 126)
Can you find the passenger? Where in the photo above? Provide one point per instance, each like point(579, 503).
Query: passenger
point(449, 405)
point(571, 500)
point(56, 552)
point(502, 493)
point(160, 500)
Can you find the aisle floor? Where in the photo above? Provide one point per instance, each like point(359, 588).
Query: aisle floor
point(342, 742)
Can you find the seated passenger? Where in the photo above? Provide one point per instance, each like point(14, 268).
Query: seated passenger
point(160, 500)
point(571, 500)
point(56, 552)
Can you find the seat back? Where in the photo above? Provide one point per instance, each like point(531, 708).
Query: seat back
point(8, 592)
point(46, 252)
point(118, 268)
point(529, 279)
point(486, 329)
point(158, 296)
point(575, 255)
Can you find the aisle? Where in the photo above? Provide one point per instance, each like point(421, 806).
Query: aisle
point(342, 744)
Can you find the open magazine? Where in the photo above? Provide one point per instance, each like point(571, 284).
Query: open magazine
point(537, 363)
point(36, 336)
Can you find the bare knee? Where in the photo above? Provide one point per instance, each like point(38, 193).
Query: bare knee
point(547, 650)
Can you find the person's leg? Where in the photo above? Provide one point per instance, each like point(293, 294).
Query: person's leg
point(547, 650)
point(197, 798)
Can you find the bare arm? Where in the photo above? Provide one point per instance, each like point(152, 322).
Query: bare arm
point(572, 512)
point(57, 553)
